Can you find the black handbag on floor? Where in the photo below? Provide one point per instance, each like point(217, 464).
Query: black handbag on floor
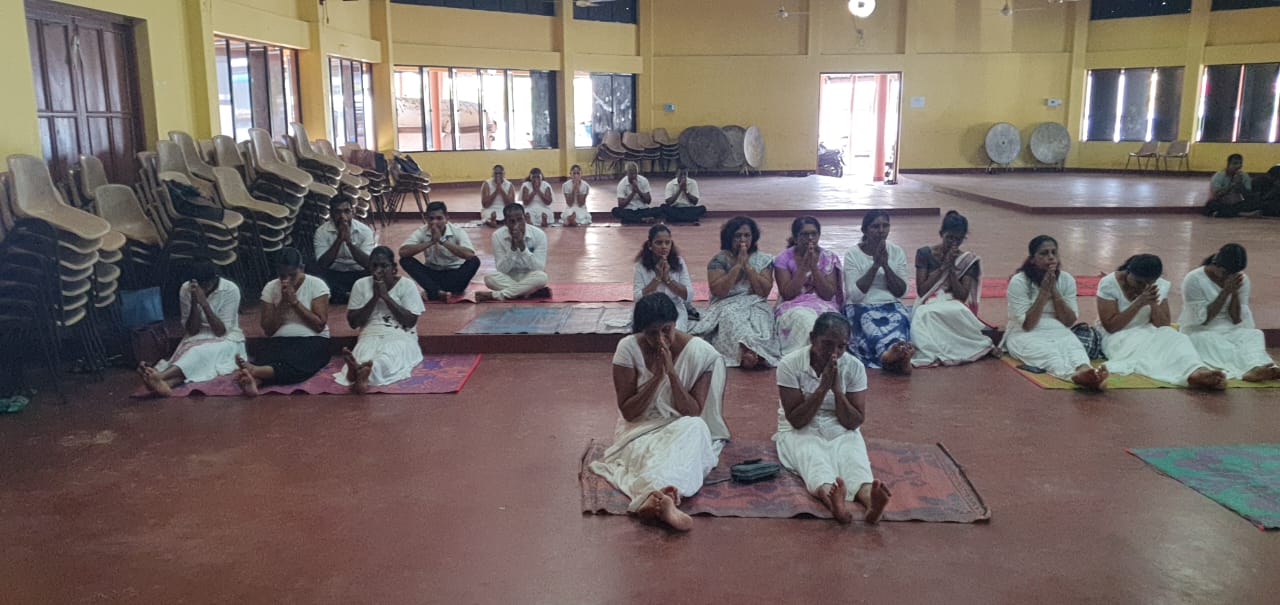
point(752, 471)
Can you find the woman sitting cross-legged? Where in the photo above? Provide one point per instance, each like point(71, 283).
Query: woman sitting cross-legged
point(295, 318)
point(739, 322)
point(385, 308)
point(945, 328)
point(669, 387)
point(1042, 307)
point(659, 268)
point(823, 395)
point(1217, 319)
point(875, 280)
point(1133, 314)
point(211, 338)
point(808, 277)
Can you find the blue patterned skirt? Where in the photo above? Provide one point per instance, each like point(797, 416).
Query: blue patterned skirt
point(876, 328)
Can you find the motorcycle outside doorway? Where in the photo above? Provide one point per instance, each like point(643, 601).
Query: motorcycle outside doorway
point(858, 124)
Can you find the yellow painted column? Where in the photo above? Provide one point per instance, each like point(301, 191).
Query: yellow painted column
point(205, 119)
point(646, 23)
point(564, 31)
point(1076, 73)
point(1197, 37)
point(21, 133)
point(384, 102)
point(313, 76)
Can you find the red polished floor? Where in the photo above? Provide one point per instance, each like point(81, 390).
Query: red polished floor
point(473, 497)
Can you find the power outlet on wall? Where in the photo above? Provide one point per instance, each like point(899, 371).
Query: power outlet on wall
point(1053, 102)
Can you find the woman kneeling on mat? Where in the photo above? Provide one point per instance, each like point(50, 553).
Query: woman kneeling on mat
point(823, 403)
point(945, 328)
point(739, 322)
point(1042, 307)
point(385, 308)
point(1133, 312)
point(1217, 319)
point(808, 277)
point(669, 387)
point(295, 317)
point(211, 338)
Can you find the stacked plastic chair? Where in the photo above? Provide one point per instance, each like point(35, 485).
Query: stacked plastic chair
point(314, 210)
point(266, 227)
point(609, 154)
point(83, 245)
point(119, 205)
point(196, 163)
point(29, 298)
point(669, 149)
point(227, 153)
point(405, 183)
point(275, 180)
point(86, 176)
point(353, 182)
point(325, 169)
point(378, 183)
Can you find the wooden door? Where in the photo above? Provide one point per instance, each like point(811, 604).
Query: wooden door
point(86, 86)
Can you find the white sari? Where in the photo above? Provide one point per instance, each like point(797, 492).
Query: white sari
point(663, 447)
point(1234, 348)
point(1140, 347)
point(947, 331)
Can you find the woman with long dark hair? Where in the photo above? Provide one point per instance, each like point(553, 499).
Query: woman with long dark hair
point(1217, 319)
point(1042, 309)
point(945, 328)
point(659, 268)
point(875, 280)
point(1133, 314)
point(739, 322)
point(669, 387)
point(808, 277)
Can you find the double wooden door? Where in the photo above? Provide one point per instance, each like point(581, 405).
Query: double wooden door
point(86, 83)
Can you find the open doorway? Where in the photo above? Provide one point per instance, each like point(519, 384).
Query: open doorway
point(858, 119)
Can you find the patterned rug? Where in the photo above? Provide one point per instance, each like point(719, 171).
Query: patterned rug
point(1122, 381)
point(1243, 478)
point(927, 485)
point(436, 374)
point(539, 319)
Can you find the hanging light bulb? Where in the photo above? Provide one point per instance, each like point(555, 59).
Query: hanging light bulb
point(862, 8)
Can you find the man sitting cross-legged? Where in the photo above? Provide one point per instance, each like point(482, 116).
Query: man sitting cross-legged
point(520, 252)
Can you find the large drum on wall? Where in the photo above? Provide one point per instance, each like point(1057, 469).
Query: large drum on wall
point(1050, 143)
point(1003, 143)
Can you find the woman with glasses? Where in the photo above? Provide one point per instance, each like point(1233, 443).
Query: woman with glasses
point(945, 328)
point(808, 277)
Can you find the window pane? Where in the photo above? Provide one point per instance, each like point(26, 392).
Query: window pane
point(582, 108)
point(1102, 92)
point(275, 79)
point(367, 140)
point(226, 113)
point(441, 86)
point(1135, 104)
point(291, 85)
point(240, 96)
point(336, 98)
point(623, 97)
point(544, 109)
point(1168, 105)
point(495, 109)
point(602, 109)
point(1258, 102)
point(471, 126)
point(409, 126)
point(1221, 90)
point(1137, 8)
point(259, 100)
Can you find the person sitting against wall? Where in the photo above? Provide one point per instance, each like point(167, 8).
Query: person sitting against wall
point(1267, 188)
point(449, 260)
point(536, 195)
point(342, 247)
point(211, 339)
point(295, 319)
point(520, 253)
point(575, 192)
point(634, 198)
point(681, 203)
point(495, 194)
point(384, 308)
point(1231, 191)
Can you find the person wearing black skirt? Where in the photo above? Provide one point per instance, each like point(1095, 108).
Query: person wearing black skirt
point(295, 315)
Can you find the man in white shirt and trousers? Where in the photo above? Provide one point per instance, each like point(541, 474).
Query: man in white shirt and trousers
point(681, 203)
point(634, 198)
point(520, 253)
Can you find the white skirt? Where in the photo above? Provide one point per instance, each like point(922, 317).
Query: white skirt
point(204, 359)
point(494, 212)
point(535, 211)
point(579, 214)
point(679, 454)
point(1164, 354)
point(945, 332)
point(824, 450)
point(1232, 350)
point(1050, 345)
point(394, 356)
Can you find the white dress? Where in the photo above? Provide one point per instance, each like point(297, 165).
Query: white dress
point(204, 356)
point(947, 331)
point(1140, 347)
point(1234, 348)
point(494, 210)
point(393, 348)
point(1050, 344)
point(642, 278)
point(824, 449)
point(536, 209)
point(579, 211)
point(662, 447)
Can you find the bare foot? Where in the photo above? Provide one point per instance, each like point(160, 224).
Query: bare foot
point(1259, 374)
point(836, 503)
point(242, 363)
point(352, 364)
point(361, 384)
point(1210, 380)
point(154, 383)
point(491, 222)
point(485, 296)
point(247, 383)
point(879, 499)
point(1089, 378)
point(898, 358)
point(671, 515)
point(672, 493)
point(570, 221)
point(1275, 373)
point(651, 507)
point(747, 359)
